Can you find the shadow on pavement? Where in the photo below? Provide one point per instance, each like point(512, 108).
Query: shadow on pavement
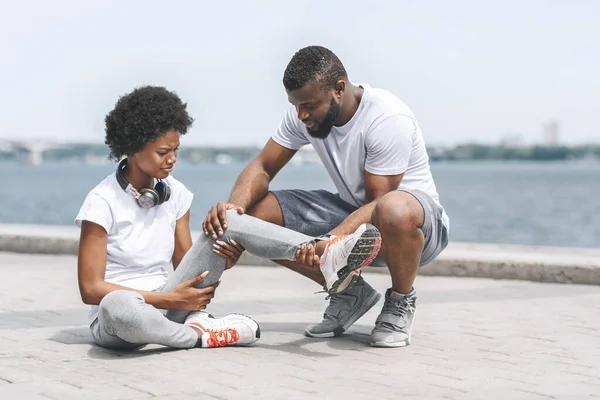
point(80, 335)
point(355, 339)
point(100, 353)
point(358, 337)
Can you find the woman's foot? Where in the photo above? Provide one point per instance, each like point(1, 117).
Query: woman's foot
point(230, 330)
point(345, 254)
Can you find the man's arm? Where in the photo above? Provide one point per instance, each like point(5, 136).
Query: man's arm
point(375, 187)
point(253, 183)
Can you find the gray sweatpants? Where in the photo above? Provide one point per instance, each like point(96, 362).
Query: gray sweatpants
point(125, 321)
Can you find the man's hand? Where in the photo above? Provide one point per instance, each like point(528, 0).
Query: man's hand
point(216, 221)
point(187, 297)
point(230, 252)
point(307, 257)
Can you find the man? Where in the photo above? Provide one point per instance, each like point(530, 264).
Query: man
point(372, 147)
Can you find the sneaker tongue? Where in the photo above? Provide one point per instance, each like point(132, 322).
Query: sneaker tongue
point(398, 296)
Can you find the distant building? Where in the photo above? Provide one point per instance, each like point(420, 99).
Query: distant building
point(551, 133)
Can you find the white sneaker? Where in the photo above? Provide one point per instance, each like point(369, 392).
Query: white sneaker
point(232, 329)
point(346, 254)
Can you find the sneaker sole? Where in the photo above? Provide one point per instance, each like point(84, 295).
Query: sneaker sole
point(404, 343)
point(364, 308)
point(362, 254)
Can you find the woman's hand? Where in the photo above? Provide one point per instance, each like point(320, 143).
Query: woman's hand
point(306, 255)
point(231, 252)
point(188, 297)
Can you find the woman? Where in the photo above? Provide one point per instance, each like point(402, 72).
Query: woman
point(135, 222)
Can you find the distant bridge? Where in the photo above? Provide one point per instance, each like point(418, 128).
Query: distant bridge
point(32, 148)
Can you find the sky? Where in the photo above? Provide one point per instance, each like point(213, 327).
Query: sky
point(472, 71)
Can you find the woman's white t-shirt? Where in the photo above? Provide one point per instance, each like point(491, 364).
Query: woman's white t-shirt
point(140, 241)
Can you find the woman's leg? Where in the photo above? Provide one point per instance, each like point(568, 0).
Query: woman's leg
point(125, 321)
point(258, 237)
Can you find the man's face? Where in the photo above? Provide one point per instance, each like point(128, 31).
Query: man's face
point(316, 108)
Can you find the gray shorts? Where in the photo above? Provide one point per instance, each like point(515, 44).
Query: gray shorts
point(317, 212)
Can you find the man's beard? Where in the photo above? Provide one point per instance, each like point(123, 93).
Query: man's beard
point(327, 124)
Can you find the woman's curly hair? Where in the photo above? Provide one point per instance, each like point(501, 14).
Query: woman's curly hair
point(143, 116)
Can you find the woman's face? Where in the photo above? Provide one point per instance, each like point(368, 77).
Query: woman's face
point(158, 158)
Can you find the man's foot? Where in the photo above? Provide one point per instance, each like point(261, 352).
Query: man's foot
point(345, 254)
point(232, 329)
point(345, 309)
point(394, 324)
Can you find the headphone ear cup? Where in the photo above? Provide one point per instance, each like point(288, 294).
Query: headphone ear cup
point(164, 192)
point(150, 193)
point(167, 192)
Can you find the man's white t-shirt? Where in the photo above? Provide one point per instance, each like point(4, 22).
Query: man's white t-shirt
point(383, 137)
point(140, 241)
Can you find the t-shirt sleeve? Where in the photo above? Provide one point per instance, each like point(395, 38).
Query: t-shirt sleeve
point(389, 145)
point(288, 134)
point(95, 209)
point(184, 200)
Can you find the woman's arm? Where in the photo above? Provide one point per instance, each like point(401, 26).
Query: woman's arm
point(91, 267)
point(183, 238)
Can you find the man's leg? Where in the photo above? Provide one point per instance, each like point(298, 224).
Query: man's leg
point(399, 217)
point(413, 234)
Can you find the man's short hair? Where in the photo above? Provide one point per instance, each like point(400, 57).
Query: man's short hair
point(313, 64)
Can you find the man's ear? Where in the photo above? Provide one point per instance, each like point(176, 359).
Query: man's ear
point(340, 87)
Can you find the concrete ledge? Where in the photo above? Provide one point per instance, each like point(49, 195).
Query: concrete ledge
point(498, 261)
point(541, 264)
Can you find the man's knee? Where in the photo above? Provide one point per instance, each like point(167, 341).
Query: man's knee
point(267, 209)
point(120, 307)
point(398, 212)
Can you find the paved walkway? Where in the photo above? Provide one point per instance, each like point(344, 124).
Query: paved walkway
point(473, 339)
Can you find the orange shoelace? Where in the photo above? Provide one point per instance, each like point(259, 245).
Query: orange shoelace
point(332, 241)
point(222, 337)
point(337, 239)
